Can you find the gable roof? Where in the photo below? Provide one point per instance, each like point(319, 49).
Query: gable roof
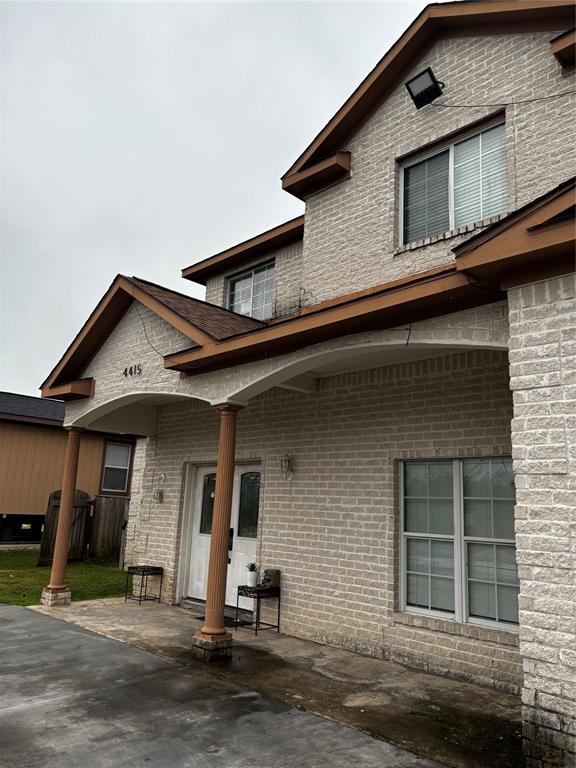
point(463, 18)
point(198, 321)
point(218, 322)
point(15, 407)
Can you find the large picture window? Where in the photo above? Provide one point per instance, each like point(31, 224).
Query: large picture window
point(252, 293)
point(116, 467)
point(458, 554)
point(460, 184)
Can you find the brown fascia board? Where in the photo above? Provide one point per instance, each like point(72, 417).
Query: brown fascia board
point(466, 19)
point(71, 390)
point(318, 176)
point(564, 49)
point(267, 242)
point(108, 312)
point(428, 294)
point(34, 420)
point(533, 243)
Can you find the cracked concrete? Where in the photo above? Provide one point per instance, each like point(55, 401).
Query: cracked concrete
point(457, 724)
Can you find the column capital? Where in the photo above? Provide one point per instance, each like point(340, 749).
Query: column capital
point(228, 407)
point(74, 430)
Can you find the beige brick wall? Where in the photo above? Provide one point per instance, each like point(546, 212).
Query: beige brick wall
point(351, 230)
point(288, 280)
point(543, 378)
point(332, 529)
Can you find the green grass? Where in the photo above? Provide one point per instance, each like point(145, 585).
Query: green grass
point(21, 582)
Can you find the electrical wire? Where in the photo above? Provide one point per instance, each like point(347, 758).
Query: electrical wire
point(504, 103)
point(144, 326)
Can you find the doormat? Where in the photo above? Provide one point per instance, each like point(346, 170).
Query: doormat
point(228, 622)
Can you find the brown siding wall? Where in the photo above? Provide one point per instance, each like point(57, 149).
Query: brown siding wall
point(32, 462)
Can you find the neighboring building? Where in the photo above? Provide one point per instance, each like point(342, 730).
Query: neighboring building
point(32, 451)
point(392, 373)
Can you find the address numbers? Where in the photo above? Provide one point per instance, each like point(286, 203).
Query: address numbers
point(133, 370)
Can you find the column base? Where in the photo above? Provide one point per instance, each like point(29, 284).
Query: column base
point(210, 647)
point(53, 598)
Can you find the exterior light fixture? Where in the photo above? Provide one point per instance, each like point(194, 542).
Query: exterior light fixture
point(424, 88)
point(286, 466)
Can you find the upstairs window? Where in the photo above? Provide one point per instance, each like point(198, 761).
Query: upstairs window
point(460, 184)
point(252, 293)
point(116, 467)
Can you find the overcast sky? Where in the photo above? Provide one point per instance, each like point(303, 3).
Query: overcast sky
point(142, 137)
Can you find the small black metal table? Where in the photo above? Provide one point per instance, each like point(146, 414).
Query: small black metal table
point(144, 571)
point(258, 594)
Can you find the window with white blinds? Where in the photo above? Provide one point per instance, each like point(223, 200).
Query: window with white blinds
point(462, 183)
point(252, 293)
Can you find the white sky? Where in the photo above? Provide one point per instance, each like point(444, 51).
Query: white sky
point(140, 137)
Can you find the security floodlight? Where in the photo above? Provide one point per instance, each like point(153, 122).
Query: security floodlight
point(424, 88)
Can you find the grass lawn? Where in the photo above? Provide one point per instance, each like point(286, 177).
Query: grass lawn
point(21, 582)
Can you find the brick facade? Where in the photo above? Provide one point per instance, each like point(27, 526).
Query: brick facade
point(351, 230)
point(332, 530)
point(542, 378)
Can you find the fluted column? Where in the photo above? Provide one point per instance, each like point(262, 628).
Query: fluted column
point(218, 563)
point(56, 593)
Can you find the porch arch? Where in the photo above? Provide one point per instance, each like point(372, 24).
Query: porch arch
point(135, 412)
point(307, 366)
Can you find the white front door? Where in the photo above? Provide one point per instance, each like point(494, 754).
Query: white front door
point(243, 523)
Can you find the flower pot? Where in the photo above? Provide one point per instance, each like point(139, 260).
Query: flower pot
point(252, 578)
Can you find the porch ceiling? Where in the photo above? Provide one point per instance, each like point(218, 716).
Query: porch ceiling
point(134, 413)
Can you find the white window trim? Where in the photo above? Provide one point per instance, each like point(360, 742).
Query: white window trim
point(426, 155)
point(116, 466)
point(248, 273)
point(460, 614)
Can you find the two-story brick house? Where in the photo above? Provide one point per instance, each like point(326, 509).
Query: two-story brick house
point(378, 396)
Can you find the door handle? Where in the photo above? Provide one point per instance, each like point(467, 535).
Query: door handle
point(231, 540)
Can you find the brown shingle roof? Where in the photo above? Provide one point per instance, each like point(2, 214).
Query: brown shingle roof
point(217, 322)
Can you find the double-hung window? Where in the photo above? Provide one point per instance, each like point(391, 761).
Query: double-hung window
point(252, 293)
point(462, 183)
point(116, 467)
point(458, 554)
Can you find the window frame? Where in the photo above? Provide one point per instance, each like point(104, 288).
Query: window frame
point(250, 273)
point(437, 149)
point(104, 491)
point(461, 612)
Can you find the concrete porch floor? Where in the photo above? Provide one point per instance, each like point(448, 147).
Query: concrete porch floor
point(455, 723)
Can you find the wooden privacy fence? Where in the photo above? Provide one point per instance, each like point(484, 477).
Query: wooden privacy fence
point(97, 528)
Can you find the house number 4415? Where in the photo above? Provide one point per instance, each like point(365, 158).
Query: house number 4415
point(134, 370)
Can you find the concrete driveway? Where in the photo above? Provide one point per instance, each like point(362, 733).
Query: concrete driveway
point(69, 697)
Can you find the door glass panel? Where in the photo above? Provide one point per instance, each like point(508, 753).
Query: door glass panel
point(249, 500)
point(208, 489)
